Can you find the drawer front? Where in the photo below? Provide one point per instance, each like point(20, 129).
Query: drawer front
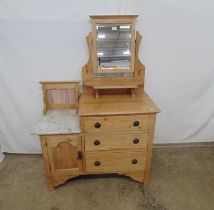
point(115, 161)
point(116, 123)
point(115, 141)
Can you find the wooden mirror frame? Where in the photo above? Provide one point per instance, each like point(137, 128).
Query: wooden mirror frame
point(128, 19)
point(92, 83)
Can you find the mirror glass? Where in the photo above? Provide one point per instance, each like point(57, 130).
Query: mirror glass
point(113, 46)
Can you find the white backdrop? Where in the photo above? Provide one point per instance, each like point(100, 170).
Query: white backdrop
point(45, 40)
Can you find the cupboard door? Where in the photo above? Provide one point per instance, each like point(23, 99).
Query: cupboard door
point(65, 154)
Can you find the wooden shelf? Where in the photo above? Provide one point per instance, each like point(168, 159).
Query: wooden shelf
point(110, 86)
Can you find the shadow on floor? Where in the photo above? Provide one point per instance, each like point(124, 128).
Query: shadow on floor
point(182, 179)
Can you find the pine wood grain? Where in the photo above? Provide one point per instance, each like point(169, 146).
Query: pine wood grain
point(118, 141)
point(115, 161)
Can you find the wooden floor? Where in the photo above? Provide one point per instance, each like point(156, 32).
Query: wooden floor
point(182, 179)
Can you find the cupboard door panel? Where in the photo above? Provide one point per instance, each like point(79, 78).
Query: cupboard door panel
point(65, 154)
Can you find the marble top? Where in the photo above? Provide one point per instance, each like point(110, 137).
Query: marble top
point(61, 121)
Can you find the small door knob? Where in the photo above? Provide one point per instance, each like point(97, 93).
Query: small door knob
point(97, 125)
point(97, 163)
point(134, 161)
point(96, 142)
point(136, 123)
point(79, 155)
point(136, 141)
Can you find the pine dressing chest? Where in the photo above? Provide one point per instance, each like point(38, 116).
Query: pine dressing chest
point(109, 126)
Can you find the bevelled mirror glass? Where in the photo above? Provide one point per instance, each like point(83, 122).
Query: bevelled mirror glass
point(113, 46)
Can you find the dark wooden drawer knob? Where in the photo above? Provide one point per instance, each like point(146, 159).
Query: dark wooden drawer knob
point(136, 123)
point(134, 161)
point(79, 155)
point(136, 141)
point(97, 163)
point(97, 125)
point(96, 142)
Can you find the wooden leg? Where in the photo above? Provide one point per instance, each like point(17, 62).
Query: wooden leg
point(149, 151)
point(50, 184)
point(146, 183)
point(46, 162)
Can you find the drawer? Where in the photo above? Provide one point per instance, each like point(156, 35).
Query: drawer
point(115, 141)
point(116, 123)
point(115, 161)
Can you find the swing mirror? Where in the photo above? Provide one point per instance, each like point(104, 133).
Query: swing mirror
point(113, 44)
